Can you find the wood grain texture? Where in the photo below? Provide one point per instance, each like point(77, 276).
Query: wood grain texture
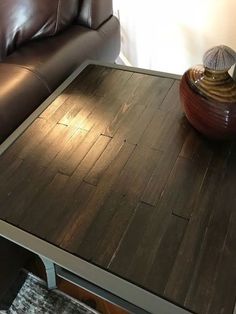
point(77, 228)
point(117, 210)
point(112, 172)
point(190, 248)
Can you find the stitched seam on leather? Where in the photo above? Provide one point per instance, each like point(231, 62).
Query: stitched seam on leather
point(57, 19)
point(39, 76)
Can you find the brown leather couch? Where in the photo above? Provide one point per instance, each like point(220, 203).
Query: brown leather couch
point(41, 43)
point(44, 41)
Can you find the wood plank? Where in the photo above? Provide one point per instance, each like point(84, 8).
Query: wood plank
point(171, 127)
point(30, 190)
point(48, 152)
point(124, 119)
point(67, 209)
point(62, 147)
point(8, 170)
point(103, 162)
point(151, 133)
point(35, 138)
point(63, 159)
point(172, 100)
point(68, 105)
point(46, 142)
point(42, 205)
point(158, 180)
point(133, 132)
point(183, 186)
point(113, 97)
point(149, 89)
point(79, 151)
point(222, 299)
point(114, 84)
point(99, 125)
point(6, 176)
point(202, 284)
point(103, 110)
point(22, 173)
point(174, 129)
point(87, 163)
point(140, 99)
point(87, 87)
point(103, 97)
point(33, 185)
point(165, 256)
point(148, 244)
point(92, 78)
point(191, 144)
point(24, 144)
point(95, 74)
point(130, 120)
point(117, 210)
point(173, 197)
point(126, 254)
point(221, 154)
point(60, 99)
point(196, 147)
point(25, 194)
point(62, 199)
point(74, 107)
point(185, 263)
point(88, 104)
point(75, 229)
point(55, 105)
point(72, 98)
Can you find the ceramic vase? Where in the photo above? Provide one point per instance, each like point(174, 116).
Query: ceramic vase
point(208, 96)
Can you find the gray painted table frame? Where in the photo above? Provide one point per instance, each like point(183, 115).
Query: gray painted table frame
point(57, 261)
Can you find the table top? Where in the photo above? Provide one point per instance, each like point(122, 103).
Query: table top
point(113, 173)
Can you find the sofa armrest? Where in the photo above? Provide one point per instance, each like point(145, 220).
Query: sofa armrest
point(94, 13)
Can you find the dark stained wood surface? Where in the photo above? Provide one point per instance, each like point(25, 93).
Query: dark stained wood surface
point(112, 172)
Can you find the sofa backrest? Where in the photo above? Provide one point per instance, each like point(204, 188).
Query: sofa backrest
point(93, 13)
point(23, 20)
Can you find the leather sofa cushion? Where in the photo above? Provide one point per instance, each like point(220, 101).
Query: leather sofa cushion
point(93, 13)
point(21, 93)
point(55, 58)
point(23, 20)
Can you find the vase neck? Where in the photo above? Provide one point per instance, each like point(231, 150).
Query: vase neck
point(217, 75)
point(214, 85)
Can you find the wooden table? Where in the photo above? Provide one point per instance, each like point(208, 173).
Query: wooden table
point(113, 185)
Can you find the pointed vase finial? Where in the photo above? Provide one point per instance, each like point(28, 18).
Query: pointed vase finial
point(219, 58)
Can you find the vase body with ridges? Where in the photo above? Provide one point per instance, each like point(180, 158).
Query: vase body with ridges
point(209, 101)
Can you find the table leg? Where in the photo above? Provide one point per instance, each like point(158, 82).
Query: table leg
point(50, 272)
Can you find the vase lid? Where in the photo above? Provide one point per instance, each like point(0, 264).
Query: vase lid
point(219, 58)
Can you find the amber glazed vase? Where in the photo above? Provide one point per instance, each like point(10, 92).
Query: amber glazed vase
point(209, 101)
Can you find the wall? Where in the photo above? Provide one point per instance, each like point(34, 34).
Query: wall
point(172, 35)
